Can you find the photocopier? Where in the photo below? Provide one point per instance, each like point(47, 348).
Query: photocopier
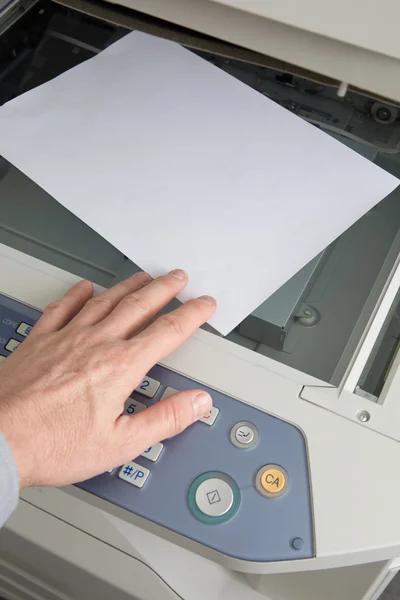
point(290, 490)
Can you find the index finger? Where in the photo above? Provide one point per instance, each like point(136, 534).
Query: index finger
point(169, 331)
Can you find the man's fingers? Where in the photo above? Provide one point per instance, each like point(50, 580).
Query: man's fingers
point(58, 314)
point(137, 309)
point(170, 330)
point(159, 422)
point(102, 305)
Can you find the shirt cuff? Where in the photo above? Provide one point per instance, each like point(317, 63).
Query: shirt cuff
point(9, 481)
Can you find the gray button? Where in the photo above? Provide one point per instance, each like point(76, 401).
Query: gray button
point(169, 391)
point(134, 474)
point(148, 387)
point(24, 329)
point(133, 406)
point(214, 497)
point(209, 418)
point(244, 435)
point(298, 543)
point(12, 345)
point(153, 453)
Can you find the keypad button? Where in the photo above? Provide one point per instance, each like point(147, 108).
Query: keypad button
point(134, 474)
point(272, 481)
point(148, 387)
point(133, 406)
point(244, 435)
point(24, 329)
point(169, 391)
point(209, 418)
point(153, 453)
point(12, 345)
point(2, 357)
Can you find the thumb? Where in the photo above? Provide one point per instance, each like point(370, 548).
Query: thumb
point(162, 420)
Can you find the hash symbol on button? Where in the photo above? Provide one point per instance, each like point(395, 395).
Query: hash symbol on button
point(213, 497)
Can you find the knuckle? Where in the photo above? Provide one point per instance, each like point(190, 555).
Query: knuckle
point(54, 307)
point(84, 337)
point(113, 354)
point(138, 303)
point(100, 302)
point(126, 286)
point(172, 324)
point(169, 285)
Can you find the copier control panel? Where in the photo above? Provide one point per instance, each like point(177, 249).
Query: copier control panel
point(237, 481)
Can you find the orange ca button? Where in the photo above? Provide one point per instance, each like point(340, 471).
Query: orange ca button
point(272, 481)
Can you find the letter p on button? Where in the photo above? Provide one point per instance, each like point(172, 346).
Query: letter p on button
point(272, 481)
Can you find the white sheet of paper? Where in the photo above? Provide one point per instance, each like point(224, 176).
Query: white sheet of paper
point(178, 164)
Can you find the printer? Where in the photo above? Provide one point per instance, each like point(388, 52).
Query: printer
point(291, 490)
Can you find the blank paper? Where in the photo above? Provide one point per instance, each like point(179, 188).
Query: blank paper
point(178, 164)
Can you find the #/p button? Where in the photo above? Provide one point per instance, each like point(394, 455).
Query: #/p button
point(272, 481)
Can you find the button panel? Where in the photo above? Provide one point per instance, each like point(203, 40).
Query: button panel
point(268, 520)
point(134, 474)
point(148, 387)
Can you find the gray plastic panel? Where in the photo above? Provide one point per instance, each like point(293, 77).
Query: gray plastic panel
point(263, 529)
point(33, 222)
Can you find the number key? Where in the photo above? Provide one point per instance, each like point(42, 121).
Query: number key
point(153, 452)
point(148, 387)
point(134, 407)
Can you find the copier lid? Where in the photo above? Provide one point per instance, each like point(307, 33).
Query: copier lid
point(354, 42)
point(361, 23)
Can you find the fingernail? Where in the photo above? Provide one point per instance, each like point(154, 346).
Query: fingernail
point(84, 284)
point(202, 404)
point(142, 276)
point(178, 273)
point(208, 300)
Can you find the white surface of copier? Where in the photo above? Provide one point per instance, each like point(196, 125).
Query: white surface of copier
point(357, 45)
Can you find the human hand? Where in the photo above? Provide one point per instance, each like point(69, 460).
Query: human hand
point(64, 389)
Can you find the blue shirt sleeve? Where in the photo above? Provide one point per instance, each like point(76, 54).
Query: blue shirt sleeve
point(9, 483)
